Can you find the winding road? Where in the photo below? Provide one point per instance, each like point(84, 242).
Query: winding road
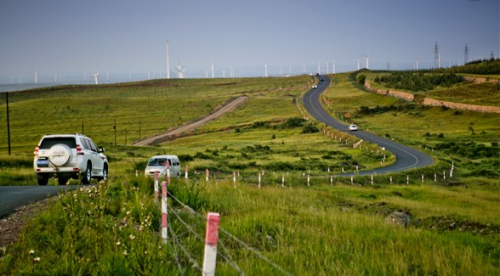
point(406, 157)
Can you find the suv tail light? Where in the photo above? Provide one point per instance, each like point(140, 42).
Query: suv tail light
point(36, 150)
point(79, 150)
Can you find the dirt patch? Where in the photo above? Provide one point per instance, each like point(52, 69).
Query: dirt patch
point(12, 226)
point(228, 106)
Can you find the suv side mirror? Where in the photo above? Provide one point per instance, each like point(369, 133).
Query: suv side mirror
point(101, 149)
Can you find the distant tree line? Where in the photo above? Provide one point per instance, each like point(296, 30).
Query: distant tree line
point(419, 81)
point(479, 67)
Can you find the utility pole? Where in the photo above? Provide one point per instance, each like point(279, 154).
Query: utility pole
point(437, 63)
point(8, 120)
point(114, 127)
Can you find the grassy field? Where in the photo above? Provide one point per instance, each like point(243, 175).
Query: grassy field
point(325, 228)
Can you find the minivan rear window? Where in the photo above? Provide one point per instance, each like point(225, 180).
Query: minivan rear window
point(159, 162)
point(48, 142)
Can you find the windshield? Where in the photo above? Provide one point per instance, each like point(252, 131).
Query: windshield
point(158, 162)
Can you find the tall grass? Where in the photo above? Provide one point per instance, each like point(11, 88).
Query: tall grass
point(113, 229)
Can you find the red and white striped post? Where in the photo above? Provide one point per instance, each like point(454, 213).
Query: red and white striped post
point(211, 239)
point(164, 212)
point(168, 172)
point(186, 173)
point(156, 186)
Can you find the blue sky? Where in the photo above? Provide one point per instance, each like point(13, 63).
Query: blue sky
point(70, 37)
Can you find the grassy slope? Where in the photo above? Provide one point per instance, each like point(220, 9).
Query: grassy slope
point(317, 230)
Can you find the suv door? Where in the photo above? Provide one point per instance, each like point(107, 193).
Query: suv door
point(97, 162)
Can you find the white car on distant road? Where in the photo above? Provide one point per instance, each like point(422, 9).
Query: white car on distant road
point(353, 127)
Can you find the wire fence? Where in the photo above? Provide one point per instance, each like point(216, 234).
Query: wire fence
point(185, 237)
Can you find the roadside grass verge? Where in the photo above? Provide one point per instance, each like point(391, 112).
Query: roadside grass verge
point(112, 228)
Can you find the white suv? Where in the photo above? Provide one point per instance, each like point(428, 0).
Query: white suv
point(69, 156)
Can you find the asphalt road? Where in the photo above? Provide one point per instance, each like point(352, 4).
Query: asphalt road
point(12, 197)
point(406, 157)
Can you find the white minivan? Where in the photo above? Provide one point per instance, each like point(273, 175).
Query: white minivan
point(159, 163)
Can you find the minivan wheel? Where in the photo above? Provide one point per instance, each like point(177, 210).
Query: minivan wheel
point(87, 175)
point(43, 181)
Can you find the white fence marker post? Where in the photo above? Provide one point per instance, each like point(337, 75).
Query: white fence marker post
point(352, 180)
point(308, 180)
point(136, 173)
point(444, 175)
point(211, 238)
point(331, 179)
point(371, 179)
point(259, 180)
point(407, 179)
point(186, 173)
point(390, 179)
point(206, 173)
point(435, 177)
point(156, 187)
point(422, 178)
point(164, 212)
point(234, 180)
point(283, 180)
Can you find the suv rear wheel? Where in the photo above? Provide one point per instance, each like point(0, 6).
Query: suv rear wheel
point(87, 175)
point(43, 181)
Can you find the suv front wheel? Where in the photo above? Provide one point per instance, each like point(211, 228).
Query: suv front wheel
point(87, 175)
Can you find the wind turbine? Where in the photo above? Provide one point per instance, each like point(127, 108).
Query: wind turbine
point(212, 68)
point(333, 67)
point(180, 70)
point(367, 60)
point(96, 76)
point(358, 64)
point(265, 68)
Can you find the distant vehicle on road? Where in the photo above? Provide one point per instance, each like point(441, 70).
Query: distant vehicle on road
point(353, 127)
point(66, 156)
point(159, 163)
point(315, 86)
point(322, 79)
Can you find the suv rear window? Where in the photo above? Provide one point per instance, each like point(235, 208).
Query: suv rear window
point(48, 142)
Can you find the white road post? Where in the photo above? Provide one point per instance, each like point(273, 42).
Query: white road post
point(259, 180)
point(206, 173)
point(308, 180)
point(186, 173)
point(211, 238)
point(234, 180)
point(331, 180)
point(283, 180)
point(352, 180)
